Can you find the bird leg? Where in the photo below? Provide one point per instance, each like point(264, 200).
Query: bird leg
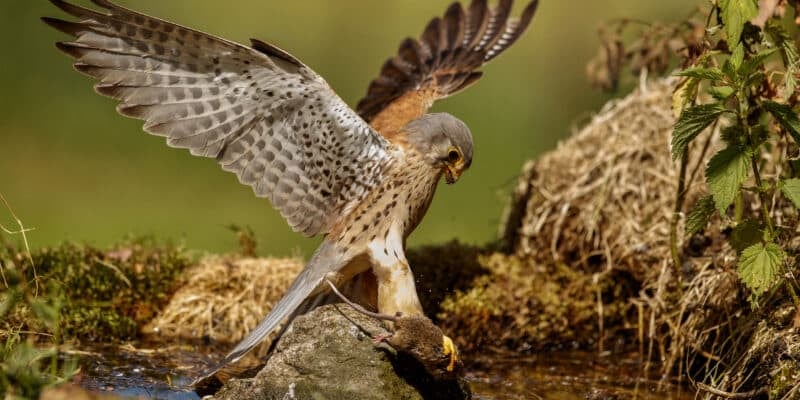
point(396, 290)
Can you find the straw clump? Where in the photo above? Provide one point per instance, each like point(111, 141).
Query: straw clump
point(603, 203)
point(224, 298)
point(603, 200)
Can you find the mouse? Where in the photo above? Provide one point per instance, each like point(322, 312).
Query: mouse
point(416, 336)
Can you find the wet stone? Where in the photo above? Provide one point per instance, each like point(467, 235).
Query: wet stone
point(329, 353)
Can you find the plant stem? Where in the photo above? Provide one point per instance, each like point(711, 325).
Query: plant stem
point(680, 197)
point(792, 293)
point(762, 195)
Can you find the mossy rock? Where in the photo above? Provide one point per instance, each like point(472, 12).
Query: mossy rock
point(522, 306)
point(105, 295)
point(329, 353)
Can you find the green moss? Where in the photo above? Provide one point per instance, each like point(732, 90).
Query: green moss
point(107, 294)
point(520, 305)
point(785, 377)
point(442, 270)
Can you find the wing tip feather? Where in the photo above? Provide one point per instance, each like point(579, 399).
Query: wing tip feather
point(68, 27)
point(71, 49)
point(274, 51)
point(461, 41)
point(527, 16)
point(75, 10)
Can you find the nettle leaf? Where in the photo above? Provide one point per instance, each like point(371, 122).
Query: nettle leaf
point(733, 135)
point(737, 57)
point(760, 265)
point(691, 122)
point(721, 93)
point(712, 74)
point(788, 50)
point(697, 219)
point(786, 117)
point(729, 71)
point(735, 13)
point(755, 62)
point(791, 81)
point(684, 94)
point(746, 234)
point(791, 189)
point(725, 173)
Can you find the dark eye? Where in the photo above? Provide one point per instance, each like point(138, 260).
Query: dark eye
point(454, 156)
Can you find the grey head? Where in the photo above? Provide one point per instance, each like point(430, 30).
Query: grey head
point(444, 141)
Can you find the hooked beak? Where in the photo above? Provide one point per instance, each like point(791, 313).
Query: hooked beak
point(451, 174)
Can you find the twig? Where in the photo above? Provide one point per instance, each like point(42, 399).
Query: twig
point(5, 332)
point(22, 230)
point(730, 395)
point(115, 269)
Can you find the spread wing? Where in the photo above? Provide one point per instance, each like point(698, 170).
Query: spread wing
point(443, 61)
point(259, 111)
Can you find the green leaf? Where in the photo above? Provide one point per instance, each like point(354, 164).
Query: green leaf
point(721, 93)
point(746, 234)
point(730, 73)
point(786, 117)
point(697, 219)
point(684, 94)
point(733, 135)
point(788, 49)
point(754, 79)
point(713, 74)
point(755, 62)
point(791, 189)
point(737, 56)
point(691, 122)
point(760, 266)
point(735, 13)
point(725, 173)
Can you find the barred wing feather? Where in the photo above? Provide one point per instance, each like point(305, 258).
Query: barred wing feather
point(260, 112)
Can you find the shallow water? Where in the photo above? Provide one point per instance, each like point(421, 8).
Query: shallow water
point(555, 375)
point(570, 375)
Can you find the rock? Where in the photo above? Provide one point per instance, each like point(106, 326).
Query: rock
point(328, 353)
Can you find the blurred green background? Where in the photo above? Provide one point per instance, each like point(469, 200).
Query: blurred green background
point(75, 170)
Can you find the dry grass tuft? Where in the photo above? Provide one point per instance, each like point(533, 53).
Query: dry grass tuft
point(603, 203)
point(224, 298)
point(603, 199)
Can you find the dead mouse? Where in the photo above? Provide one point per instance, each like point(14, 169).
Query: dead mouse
point(417, 336)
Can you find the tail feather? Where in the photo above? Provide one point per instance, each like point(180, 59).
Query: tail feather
point(324, 260)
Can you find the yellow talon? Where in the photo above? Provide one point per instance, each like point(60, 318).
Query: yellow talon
point(450, 350)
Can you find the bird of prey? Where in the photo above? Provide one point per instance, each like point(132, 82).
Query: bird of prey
point(363, 179)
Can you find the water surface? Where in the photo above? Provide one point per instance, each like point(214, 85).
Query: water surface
point(564, 375)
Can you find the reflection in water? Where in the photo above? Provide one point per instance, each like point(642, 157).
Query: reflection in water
point(569, 375)
point(154, 374)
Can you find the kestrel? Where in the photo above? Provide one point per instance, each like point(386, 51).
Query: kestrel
point(364, 179)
